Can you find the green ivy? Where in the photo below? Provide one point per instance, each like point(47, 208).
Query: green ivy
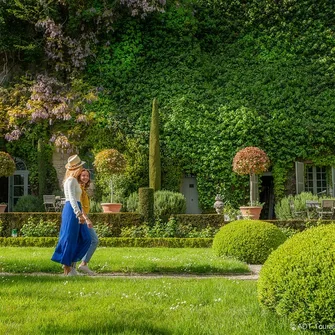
point(227, 74)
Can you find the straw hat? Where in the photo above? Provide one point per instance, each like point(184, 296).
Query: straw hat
point(74, 162)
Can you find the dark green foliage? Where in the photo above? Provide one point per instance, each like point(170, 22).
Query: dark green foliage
point(154, 150)
point(146, 203)
point(15, 220)
point(7, 165)
point(33, 228)
point(132, 202)
point(227, 74)
point(114, 221)
point(250, 241)
point(26, 149)
point(113, 242)
point(171, 228)
point(28, 241)
point(200, 221)
point(285, 212)
point(262, 86)
point(42, 172)
point(157, 242)
point(132, 224)
point(29, 203)
point(297, 280)
point(168, 203)
point(103, 230)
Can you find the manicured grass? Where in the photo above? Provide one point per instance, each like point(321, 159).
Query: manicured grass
point(126, 260)
point(105, 305)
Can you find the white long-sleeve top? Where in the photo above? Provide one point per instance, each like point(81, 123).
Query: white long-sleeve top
point(72, 193)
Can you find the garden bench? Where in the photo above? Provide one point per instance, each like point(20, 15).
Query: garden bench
point(326, 210)
point(313, 209)
point(49, 202)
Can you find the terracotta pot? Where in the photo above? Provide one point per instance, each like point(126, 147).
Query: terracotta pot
point(2, 208)
point(251, 212)
point(111, 208)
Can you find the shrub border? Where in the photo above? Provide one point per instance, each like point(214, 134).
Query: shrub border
point(112, 242)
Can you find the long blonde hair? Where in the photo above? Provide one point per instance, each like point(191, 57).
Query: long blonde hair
point(73, 173)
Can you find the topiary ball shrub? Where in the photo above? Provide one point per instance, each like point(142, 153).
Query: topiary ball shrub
point(298, 279)
point(250, 241)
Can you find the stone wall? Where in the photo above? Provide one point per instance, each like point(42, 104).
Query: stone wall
point(59, 161)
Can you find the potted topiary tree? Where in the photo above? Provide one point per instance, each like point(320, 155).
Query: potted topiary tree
point(7, 169)
point(108, 164)
point(251, 161)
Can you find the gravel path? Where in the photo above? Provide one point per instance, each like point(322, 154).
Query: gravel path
point(253, 275)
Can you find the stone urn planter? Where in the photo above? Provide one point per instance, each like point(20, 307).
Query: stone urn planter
point(251, 212)
point(252, 161)
point(219, 204)
point(3, 208)
point(111, 207)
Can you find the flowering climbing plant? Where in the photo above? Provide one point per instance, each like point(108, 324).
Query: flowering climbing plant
point(52, 100)
point(7, 164)
point(251, 160)
point(50, 103)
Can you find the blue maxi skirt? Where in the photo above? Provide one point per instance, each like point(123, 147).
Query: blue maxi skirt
point(74, 238)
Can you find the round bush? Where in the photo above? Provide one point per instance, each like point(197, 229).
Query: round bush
point(168, 202)
point(29, 203)
point(165, 203)
point(250, 241)
point(298, 279)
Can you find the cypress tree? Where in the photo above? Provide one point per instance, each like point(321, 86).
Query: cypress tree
point(146, 204)
point(154, 150)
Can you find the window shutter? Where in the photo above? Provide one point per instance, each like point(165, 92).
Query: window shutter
point(333, 182)
point(299, 177)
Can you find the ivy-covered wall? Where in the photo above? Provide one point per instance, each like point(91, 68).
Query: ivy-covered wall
point(227, 74)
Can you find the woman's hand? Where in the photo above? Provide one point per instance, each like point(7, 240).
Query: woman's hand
point(81, 218)
point(89, 223)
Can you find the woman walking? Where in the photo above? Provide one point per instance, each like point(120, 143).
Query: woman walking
point(74, 237)
point(84, 180)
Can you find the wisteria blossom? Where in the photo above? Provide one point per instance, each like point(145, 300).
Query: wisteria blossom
point(144, 7)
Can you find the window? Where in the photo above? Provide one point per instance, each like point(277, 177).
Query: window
point(316, 179)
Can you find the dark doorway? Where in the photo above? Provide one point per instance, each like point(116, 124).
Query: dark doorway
point(4, 190)
point(267, 196)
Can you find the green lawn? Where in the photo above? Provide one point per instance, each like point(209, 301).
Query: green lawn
point(95, 305)
point(126, 260)
point(54, 304)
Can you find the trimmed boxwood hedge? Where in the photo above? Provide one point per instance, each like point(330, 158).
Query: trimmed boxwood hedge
point(298, 279)
point(115, 221)
point(112, 242)
point(201, 221)
point(250, 241)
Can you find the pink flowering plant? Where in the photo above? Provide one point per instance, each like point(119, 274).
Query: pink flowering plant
point(7, 165)
point(109, 163)
point(251, 160)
